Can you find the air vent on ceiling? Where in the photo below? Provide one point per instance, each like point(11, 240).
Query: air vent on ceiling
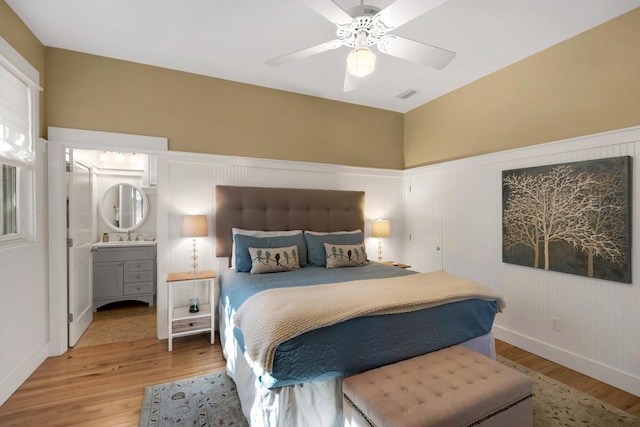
point(407, 94)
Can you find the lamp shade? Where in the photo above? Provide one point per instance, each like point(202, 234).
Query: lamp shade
point(194, 226)
point(380, 228)
point(361, 62)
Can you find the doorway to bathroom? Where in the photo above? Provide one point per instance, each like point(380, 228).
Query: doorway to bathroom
point(109, 198)
point(89, 149)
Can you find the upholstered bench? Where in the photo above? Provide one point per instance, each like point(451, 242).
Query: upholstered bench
point(450, 387)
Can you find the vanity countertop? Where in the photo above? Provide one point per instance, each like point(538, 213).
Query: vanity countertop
point(118, 243)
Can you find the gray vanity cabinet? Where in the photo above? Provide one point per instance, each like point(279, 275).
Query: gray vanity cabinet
point(123, 273)
point(107, 280)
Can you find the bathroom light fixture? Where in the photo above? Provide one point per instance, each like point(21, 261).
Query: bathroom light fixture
point(119, 157)
point(104, 156)
point(380, 228)
point(194, 226)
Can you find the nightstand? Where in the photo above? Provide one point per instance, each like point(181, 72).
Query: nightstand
point(181, 321)
point(397, 264)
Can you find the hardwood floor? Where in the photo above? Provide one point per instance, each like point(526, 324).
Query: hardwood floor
point(101, 381)
point(103, 384)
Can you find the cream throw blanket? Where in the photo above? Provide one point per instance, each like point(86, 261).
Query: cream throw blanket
point(273, 316)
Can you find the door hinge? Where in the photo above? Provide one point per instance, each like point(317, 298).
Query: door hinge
point(69, 167)
point(69, 243)
point(70, 318)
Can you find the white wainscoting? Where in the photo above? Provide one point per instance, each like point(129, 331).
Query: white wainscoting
point(24, 297)
point(187, 183)
point(599, 320)
point(24, 323)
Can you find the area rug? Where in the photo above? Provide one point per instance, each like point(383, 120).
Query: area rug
point(211, 400)
point(205, 400)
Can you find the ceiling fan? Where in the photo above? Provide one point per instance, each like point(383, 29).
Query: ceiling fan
point(363, 26)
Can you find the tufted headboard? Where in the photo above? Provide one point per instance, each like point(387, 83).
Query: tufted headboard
point(262, 208)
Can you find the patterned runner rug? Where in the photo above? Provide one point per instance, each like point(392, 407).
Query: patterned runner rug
point(211, 400)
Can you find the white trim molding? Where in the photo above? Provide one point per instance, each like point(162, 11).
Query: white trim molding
point(109, 141)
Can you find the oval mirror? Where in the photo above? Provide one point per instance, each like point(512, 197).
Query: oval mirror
point(124, 207)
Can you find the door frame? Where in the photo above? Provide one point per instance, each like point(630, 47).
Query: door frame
point(61, 139)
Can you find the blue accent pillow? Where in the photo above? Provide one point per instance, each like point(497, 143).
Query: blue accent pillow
point(243, 243)
point(315, 244)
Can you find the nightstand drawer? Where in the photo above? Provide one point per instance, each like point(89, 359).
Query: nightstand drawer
point(185, 325)
point(130, 266)
point(138, 288)
point(138, 276)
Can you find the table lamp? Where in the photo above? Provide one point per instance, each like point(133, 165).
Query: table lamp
point(194, 226)
point(380, 228)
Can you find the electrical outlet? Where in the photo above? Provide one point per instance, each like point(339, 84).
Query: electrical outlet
point(555, 323)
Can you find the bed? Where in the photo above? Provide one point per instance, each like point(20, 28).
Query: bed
point(289, 337)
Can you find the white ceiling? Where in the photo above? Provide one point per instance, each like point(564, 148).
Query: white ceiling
point(232, 39)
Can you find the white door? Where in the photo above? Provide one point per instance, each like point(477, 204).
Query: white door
point(80, 231)
point(423, 212)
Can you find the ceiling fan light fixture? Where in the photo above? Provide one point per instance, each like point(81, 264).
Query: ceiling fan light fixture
point(361, 62)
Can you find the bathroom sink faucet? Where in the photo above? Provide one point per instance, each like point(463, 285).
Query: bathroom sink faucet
point(128, 235)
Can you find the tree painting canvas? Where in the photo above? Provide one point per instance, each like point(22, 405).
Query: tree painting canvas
point(572, 218)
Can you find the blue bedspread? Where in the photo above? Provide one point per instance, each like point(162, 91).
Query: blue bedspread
point(359, 344)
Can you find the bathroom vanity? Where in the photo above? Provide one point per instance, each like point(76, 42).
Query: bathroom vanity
point(124, 271)
point(125, 267)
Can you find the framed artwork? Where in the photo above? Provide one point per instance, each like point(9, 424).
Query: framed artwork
point(573, 218)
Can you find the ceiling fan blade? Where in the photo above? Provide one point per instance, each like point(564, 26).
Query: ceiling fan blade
point(304, 53)
point(417, 52)
point(330, 10)
point(402, 11)
point(351, 82)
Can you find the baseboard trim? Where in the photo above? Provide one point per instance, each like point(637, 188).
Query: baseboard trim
point(19, 375)
point(592, 368)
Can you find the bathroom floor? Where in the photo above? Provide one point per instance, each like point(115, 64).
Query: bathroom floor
point(117, 322)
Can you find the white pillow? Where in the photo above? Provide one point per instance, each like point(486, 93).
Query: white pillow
point(256, 233)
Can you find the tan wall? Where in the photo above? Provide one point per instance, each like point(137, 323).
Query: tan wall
point(208, 115)
point(18, 35)
point(585, 85)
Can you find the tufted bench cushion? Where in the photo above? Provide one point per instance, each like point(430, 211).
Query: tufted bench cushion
point(450, 387)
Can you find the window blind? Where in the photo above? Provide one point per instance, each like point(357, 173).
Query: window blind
point(16, 141)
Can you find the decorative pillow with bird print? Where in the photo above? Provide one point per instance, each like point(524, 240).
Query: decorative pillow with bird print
point(345, 255)
point(272, 260)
